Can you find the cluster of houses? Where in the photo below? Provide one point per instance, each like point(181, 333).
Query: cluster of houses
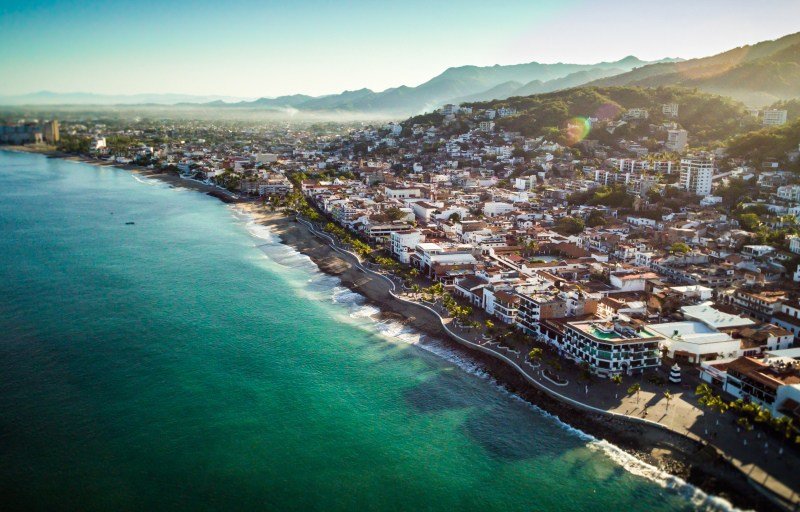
point(486, 212)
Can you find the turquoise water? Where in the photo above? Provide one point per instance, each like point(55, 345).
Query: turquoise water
point(191, 362)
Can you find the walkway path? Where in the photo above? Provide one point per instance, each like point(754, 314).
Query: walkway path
point(770, 469)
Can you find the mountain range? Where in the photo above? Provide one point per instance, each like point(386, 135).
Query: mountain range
point(757, 75)
point(87, 98)
point(455, 85)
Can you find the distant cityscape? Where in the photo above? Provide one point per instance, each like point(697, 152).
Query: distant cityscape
point(629, 248)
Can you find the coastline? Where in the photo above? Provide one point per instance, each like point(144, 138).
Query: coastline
point(166, 177)
point(668, 452)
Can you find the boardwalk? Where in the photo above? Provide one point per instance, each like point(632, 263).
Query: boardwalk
point(770, 469)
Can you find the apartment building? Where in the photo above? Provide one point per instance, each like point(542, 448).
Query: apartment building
point(774, 117)
point(696, 174)
point(677, 140)
point(610, 347)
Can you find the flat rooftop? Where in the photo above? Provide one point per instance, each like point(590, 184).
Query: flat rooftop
point(715, 318)
point(614, 333)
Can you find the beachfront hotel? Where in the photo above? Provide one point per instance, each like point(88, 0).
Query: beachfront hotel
point(610, 347)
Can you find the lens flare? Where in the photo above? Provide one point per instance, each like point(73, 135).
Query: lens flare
point(577, 129)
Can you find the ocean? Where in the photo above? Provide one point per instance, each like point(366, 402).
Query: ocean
point(190, 361)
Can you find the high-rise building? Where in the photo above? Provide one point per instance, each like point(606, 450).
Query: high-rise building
point(696, 174)
point(50, 132)
point(677, 140)
point(773, 117)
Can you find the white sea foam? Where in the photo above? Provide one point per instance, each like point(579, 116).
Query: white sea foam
point(631, 464)
point(346, 296)
point(365, 311)
point(397, 331)
point(145, 181)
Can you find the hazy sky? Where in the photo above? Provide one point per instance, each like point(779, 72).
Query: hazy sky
point(267, 48)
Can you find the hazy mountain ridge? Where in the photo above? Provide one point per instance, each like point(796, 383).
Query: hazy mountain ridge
point(86, 98)
point(471, 83)
point(456, 84)
point(756, 74)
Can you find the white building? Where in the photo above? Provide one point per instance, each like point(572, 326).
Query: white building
point(695, 341)
point(636, 113)
point(403, 244)
point(402, 192)
point(770, 382)
point(266, 158)
point(789, 193)
point(493, 209)
point(610, 348)
point(677, 140)
point(711, 200)
point(696, 174)
point(774, 117)
point(670, 109)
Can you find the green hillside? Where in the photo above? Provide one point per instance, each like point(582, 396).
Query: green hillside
point(709, 118)
point(767, 144)
point(757, 74)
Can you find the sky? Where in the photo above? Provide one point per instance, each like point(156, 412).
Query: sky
point(250, 49)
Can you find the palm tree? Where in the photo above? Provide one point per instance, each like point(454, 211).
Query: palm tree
point(667, 397)
point(635, 389)
point(617, 379)
point(489, 326)
point(705, 394)
point(535, 354)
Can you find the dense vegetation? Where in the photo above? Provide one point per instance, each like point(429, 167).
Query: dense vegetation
point(710, 119)
point(767, 143)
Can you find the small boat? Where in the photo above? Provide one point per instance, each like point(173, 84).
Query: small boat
point(130, 223)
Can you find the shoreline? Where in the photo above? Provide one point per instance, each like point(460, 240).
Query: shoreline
point(669, 452)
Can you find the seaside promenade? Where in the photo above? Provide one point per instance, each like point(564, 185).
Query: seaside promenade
point(770, 467)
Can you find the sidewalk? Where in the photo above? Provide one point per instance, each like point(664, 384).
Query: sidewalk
point(760, 458)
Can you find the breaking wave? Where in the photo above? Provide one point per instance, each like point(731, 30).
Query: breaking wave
point(359, 309)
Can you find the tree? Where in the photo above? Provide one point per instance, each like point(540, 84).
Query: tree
point(535, 354)
point(489, 326)
point(679, 248)
point(455, 217)
point(667, 397)
point(744, 423)
point(394, 213)
point(569, 226)
point(596, 218)
point(749, 221)
point(616, 379)
point(635, 389)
